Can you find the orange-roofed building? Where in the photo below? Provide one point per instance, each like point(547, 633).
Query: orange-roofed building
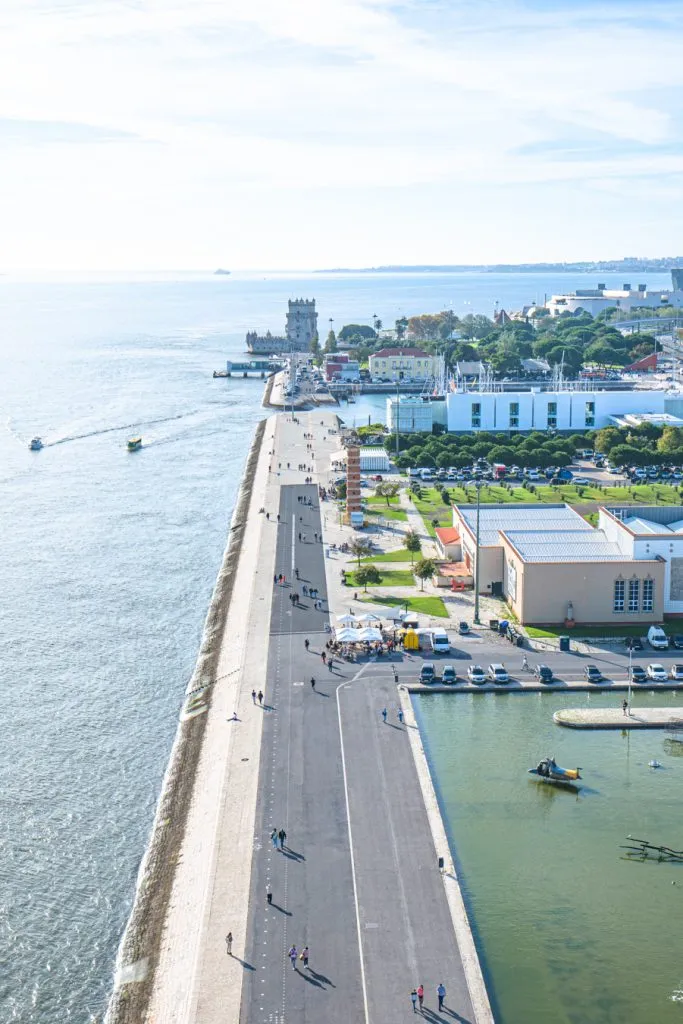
point(448, 542)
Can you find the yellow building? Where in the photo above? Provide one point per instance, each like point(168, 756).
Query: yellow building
point(413, 363)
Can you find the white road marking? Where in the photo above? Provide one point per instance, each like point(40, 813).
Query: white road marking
point(353, 864)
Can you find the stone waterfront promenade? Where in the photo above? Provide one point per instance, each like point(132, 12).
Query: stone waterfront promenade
point(358, 879)
point(616, 718)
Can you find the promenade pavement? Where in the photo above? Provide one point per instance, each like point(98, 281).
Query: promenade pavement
point(358, 880)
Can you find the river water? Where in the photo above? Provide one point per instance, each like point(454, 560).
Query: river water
point(569, 930)
point(107, 562)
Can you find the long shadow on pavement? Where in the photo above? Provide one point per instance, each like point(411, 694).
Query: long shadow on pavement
point(321, 977)
point(435, 1016)
point(276, 906)
point(244, 963)
point(293, 855)
point(306, 977)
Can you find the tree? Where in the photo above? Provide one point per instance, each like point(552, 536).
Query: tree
point(412, 543)
point(502, 454)
point(424, 569)
point(331, 343)
point(349, 331)
point(378, 325)
point(401, 327)
point(476, 326)
point(627, 455)
point(387, 490)
point(607, 438)
point(368, 574)
point(314, 347)
point(671, 440)
point(360, 548)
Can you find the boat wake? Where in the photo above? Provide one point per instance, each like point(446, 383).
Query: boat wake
point(122, 426)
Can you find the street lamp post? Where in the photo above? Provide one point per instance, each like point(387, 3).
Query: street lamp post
point(630, 677)
point(476, 557)
point(399, 378)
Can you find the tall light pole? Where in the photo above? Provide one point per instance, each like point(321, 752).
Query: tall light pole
point(630, 676)
point(398, 405)
point(476, 557)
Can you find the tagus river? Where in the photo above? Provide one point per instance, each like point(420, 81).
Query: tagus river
point(107, 562)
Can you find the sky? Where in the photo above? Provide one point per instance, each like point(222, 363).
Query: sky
point(292, 134)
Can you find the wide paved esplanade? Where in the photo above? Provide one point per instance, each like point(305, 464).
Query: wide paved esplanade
point(363, 879)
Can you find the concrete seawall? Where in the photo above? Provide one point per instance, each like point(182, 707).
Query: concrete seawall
point(138, 953)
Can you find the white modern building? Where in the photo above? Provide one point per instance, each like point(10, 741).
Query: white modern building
point(594, 300)
point(414, 414)
point(374, 460)
point(644, 533)
point(536, 409)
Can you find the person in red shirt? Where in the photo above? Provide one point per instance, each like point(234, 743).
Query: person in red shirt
point(420, 995)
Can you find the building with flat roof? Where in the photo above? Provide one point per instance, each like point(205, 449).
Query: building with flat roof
point(553, 567)
point(595, 300)
point(414, 414)
point(573, 410)
point(650, 531)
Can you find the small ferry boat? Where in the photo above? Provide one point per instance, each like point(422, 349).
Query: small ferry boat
point(36, 444)
point(134, 444)
point(549, 770)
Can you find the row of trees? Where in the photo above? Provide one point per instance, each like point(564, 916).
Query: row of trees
point(461, 450)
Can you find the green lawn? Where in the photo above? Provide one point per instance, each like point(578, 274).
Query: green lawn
point(390, 578)
point(579, 632)
point(431, 506)
point(426, 605)
point(379, 499)
point(397, 515)
point(400, 555)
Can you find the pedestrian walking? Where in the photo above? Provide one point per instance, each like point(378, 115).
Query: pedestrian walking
point(305, 590)
point(413, 996)
point(276, 579)
point(330, 664)
point(312, 683)
point(323, 656)
point(306, 643)
point(384, 714)
point(228, 944)
point(624, 706)
point(400, 715)
point(525, 663)
point(292, 956)
point(420, 996)
point(282, 835)
point(278, 515)
point(299, 534)
point(253, 696)
point(269, 895)
point(273, 838)
point(304, 956)
point(260, 696)
point(441, 993)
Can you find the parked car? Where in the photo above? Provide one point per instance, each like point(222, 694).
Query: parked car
point(449, 675)
point(677, 673)
point(656, 672)
point(593, 674)
point(638, 674)
point(677, 641)
point(581, 481)
point(497, 673)
point(543, 673)
point(476, 674)
point(463, 628)
point(634, 643)
point(428, 672)
point(657, 638)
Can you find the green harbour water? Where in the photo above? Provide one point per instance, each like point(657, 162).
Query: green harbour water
point(570, 931)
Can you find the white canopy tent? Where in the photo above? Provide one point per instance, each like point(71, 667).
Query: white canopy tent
point(370, 634)
point(346, 620)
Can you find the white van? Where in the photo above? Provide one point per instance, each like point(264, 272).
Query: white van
point(657, 638)
point(440, 642)
point(426, 474)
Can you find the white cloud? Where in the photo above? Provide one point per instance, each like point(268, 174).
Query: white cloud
point(238, 106)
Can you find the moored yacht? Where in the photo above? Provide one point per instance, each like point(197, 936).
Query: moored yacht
point(36, 444)
point(134, 444)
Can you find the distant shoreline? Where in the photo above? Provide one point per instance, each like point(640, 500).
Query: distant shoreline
point(599, 267)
